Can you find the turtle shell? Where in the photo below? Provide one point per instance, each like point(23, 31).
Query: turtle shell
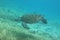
point(31, 18)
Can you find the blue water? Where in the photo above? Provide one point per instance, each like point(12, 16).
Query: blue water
point(50, 9)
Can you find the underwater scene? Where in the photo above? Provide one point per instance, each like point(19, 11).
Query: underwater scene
point(29, 19)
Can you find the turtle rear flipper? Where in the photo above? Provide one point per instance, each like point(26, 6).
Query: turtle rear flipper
point(18, 19)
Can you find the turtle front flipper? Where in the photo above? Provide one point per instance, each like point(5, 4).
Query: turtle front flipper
point(25, 25)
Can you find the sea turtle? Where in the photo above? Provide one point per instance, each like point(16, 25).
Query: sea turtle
point(30, 19)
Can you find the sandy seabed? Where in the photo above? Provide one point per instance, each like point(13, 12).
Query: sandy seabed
point(10, 30)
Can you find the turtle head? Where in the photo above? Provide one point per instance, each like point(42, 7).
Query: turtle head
point(44, 21)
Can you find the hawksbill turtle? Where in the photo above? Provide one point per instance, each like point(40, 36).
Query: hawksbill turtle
point(30, 19)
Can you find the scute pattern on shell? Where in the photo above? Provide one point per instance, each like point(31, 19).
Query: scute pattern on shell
point(31, 18)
